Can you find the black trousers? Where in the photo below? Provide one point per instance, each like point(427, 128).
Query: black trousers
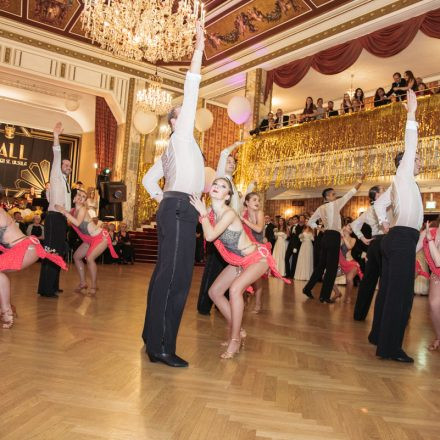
point(55, 234)
point(171, 279)
point(395, 298)
point(213, 268)
point(294, 243)
point(328, 262)
point(373, 270)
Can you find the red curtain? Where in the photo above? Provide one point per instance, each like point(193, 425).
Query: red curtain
point(105, 135)
point(382, 43)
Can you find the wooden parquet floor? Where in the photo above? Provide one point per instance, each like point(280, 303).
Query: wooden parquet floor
point(75, 369)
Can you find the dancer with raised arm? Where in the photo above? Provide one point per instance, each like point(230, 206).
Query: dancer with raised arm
point(247, 261)
point(55, 224)
point(94, 241)
point(430, 242)
point(330, 214)
point(373, 268)
point(18, 252)
point(253, 225)
point(183, 168)
point(394, 300)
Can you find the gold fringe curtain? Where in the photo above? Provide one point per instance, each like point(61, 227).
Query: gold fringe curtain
point(336, 150)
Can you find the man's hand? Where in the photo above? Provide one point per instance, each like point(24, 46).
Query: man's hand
point(411, 104)
point(386, 227)
point(366, 241)
point(200, 36)
point(58, 130)
point(359, 182)
point(61, 209)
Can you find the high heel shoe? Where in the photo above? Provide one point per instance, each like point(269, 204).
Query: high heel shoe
point(80, 288)
point(231, 354)
point(243, 336)
point(7, 318)
point(435, 345)
point(14, 311)
point(91, 292)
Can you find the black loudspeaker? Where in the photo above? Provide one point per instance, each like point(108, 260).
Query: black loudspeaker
point(110, 212)
point(114, 192)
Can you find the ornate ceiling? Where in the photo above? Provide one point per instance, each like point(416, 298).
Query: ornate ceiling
point(231, 25)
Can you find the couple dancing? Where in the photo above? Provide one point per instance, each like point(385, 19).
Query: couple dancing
point(182, 166)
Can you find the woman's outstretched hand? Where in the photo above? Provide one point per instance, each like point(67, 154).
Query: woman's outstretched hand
point(198, 204)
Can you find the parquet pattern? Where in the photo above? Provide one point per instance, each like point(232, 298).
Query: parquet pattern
point(75, 369)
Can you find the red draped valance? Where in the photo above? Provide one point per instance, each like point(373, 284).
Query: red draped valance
point(106, 128)
point(382, 43)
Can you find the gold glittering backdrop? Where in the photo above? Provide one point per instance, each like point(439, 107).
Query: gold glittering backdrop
point(337, 150)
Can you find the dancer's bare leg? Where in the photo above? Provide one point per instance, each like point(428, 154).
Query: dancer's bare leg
point(350, 276)
point(91, 263)
point(434, 308)
point(238, 286)
point(78, 258)
point(258, 289)
point(219, 287)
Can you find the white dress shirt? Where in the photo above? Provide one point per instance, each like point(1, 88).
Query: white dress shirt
point(182, 163)
point(330, 213)
point(404, 197)
point(59, 187)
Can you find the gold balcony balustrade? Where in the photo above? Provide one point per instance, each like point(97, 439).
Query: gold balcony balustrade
point(335, 151)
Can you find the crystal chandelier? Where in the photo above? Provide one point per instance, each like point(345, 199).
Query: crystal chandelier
point(143, 29)
point(351, 91)
point(154, 99)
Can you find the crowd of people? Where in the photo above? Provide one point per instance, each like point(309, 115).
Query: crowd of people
point(349, 104)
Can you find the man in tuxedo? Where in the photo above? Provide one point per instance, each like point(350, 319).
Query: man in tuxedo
point(293, 247)
point(269, 227)
point(281, 120)
point(398, 82)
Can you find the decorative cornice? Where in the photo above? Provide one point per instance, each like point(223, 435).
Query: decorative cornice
point(362, 19)
point(84, 57)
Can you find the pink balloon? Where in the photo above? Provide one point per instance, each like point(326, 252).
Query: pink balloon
point(209, 178)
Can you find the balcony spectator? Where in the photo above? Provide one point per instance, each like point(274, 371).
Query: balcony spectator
point(346, 104)
point(292, 119)
point(264, 125)
point(396, 86)
point(411, 82)
point(309, 111)
point(423, 90)
point(320, 111)
point(380, 98)
point(358, 100)
point(281, 119)
point(330, 109)
point(419, 81)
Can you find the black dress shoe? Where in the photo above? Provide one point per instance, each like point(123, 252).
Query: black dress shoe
point(401, 357)
point(60, 291)
point(171, 360)
point(308, 293)
point(327, 300)
point(49, 296)
point(203, 313)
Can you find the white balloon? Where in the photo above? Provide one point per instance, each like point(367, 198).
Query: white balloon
point(204, 119)
point(239, 109)
point(72, 105)
point(144, 122)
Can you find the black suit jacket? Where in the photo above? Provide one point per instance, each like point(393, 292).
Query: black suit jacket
point(398, 93)
point(285, 120)
point(269, 234)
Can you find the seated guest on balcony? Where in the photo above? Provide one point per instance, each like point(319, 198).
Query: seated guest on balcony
point(36, 228)
point(309, 111)
point(264, 125)
point(358, 100)
point(380, 98)
point(292, 119)
point(320, 111)
point(272, 124)
point(124, 247)
point(396, 86)
point(346, 104)
point(423, 90)
point(419, 81)
point(281, 119)
point(411, 83)
point(330, 110)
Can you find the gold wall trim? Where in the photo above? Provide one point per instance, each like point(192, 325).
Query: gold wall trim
point(393, 7)
point(83, 57)
point(129, 118)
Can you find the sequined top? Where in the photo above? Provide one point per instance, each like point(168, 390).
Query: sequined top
point(2, 233)
point(83, 227)
point(259, 236)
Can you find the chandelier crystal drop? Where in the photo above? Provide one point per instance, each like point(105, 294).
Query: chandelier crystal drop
point(154, 99)
point(149, 30)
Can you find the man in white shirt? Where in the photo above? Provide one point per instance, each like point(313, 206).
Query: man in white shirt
point(182, 166)
point(330, 214)
point(55, 224)
point(394, 300)
point(374, 255)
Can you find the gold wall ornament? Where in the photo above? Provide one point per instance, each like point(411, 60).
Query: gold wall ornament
point(143, 29)
point(9, 131)
point(146, 206)
point(336, 150)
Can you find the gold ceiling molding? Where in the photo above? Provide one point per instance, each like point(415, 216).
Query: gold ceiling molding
point(400, 4)
point(83, 57)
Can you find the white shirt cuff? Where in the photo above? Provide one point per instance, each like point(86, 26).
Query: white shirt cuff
point(412, 125)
